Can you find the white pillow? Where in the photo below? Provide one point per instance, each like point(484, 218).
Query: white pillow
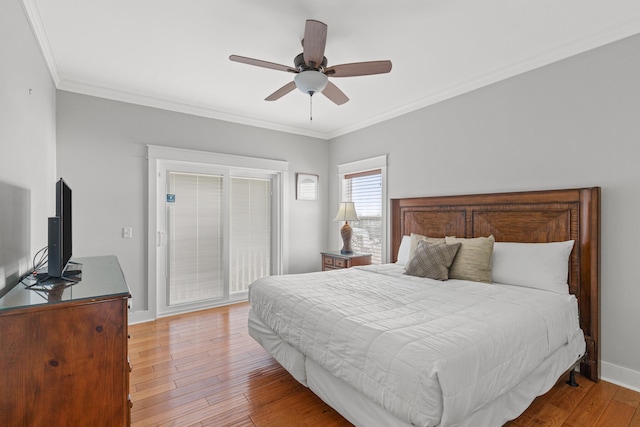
point(403, 252)
point(533, 265)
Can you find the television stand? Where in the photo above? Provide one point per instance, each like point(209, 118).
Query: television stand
point(71, 275)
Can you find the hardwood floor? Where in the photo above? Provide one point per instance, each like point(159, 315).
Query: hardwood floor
point(203, 369)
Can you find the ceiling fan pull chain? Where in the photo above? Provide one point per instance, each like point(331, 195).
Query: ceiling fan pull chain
point(310, 107)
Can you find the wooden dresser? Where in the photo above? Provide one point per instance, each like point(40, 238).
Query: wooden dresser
point(63, 352)
point(333, 260)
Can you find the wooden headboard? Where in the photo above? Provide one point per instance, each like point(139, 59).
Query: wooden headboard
point(535, 216)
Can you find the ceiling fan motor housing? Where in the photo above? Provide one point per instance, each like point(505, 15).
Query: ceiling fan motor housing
point(300, 65)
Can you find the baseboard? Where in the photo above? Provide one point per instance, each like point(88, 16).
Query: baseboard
point(141, 316)
point(618, 375)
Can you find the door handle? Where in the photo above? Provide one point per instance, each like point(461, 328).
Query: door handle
point(161, 239)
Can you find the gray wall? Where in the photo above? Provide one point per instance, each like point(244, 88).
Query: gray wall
point(102, 155)
point(27, 144)
point(575, 123)
point(571, 124)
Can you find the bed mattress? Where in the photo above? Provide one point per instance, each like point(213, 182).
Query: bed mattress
point(429, 353)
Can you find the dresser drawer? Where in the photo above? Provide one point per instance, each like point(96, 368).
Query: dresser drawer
point(327, 261)
point(341, 262)
point(336, 260)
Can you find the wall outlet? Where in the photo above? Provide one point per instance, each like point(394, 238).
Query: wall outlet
point(127, 232)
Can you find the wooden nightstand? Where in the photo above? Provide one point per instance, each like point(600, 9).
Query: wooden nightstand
point(333, 260)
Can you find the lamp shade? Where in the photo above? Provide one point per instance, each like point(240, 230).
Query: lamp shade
point(346, 212)
point(311, 81)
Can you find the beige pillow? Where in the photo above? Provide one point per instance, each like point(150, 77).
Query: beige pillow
point(415, 238)
point(473, 261)
point(432, 260)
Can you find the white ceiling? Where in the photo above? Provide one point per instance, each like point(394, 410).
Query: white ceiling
point(173, 54)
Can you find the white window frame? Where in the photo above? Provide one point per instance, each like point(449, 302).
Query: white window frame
point(158, 155)
point(372, 163)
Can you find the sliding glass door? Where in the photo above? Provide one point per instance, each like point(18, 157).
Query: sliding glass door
point(218, 235)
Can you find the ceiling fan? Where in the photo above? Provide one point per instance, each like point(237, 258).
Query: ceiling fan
point(310, 67)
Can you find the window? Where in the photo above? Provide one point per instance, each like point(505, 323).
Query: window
point(366, 188)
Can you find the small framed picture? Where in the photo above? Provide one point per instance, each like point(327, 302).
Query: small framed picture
point(306, 186)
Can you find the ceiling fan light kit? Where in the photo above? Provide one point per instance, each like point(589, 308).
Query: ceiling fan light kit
point(310, 82)
point(311, 68)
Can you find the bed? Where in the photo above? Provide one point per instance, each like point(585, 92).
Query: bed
point(386, 348)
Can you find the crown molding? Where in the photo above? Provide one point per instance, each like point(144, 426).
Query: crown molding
point(35, 22)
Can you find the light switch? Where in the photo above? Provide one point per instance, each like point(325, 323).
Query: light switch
point(127, 232)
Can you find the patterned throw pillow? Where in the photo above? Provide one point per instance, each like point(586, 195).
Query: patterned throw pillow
point(432, 260)
point(473, 261)
point(415, 238)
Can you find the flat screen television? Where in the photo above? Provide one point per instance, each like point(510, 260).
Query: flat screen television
point(60, 236)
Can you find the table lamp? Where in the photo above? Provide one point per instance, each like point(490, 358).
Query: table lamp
point(346, 213)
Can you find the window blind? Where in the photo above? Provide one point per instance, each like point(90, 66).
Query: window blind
point(364, 189)
point(250, 242)
point(196, 270)
point(195, 234)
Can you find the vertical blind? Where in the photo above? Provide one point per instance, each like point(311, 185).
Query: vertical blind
point(365, 190)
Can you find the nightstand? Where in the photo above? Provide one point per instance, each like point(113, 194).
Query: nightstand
point(333, 260)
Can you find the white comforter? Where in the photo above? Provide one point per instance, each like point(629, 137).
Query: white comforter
point(429, 352)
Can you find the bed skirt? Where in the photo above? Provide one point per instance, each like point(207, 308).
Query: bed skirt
point(362, 412)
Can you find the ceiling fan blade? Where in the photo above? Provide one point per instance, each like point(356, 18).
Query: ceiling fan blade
point(314, 42)
point(281, 92)
point(332, 92)
point(260, 63)
point(359, 69)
